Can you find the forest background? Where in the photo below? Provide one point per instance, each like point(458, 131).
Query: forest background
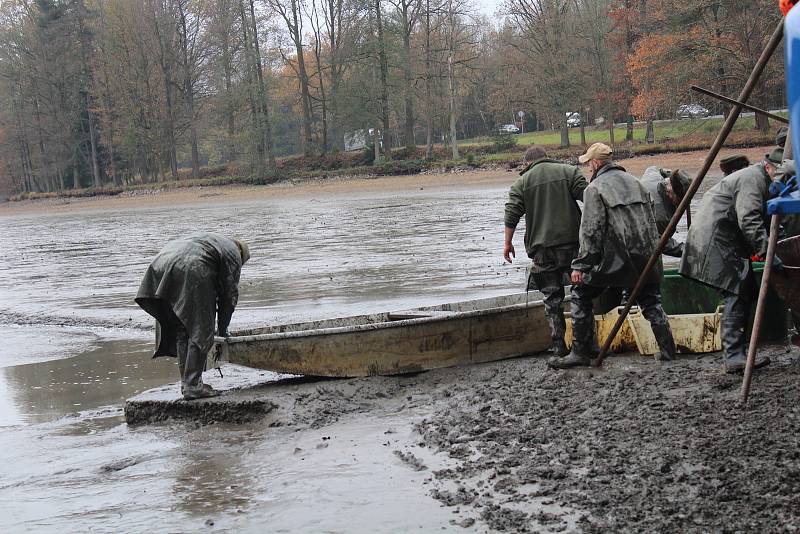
point(101, 95)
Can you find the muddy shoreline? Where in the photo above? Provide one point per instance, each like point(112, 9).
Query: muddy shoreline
point(340, 186)
point(638, 446)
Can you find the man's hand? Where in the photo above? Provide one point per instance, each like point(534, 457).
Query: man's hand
point(577, 278)
point(777, 264)
point(508, 252)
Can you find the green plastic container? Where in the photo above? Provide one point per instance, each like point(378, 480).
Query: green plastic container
point(680, 295)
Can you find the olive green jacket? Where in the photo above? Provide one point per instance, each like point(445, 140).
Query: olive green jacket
point(547, 194)
point(729, 227)
point(618, 231)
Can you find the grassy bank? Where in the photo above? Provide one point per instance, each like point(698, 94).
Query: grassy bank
point(671, 136)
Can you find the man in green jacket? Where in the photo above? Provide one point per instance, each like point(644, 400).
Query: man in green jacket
point(729, 229)
point(546, 194)
point(618, 235)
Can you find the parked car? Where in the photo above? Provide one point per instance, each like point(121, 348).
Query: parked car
point(692, 111)
point(574, 119)
point(509, 129)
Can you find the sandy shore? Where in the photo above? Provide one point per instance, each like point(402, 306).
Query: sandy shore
point(690, 161)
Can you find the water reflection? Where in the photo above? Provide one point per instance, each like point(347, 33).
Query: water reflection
point(104, 375)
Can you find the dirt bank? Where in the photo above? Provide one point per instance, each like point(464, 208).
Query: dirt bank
point(635, 447)
point(348, 187)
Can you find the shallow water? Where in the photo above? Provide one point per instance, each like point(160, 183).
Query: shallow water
point(76, 346)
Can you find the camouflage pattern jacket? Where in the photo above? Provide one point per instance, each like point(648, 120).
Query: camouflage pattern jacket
point(729, 227)
point(618, 230)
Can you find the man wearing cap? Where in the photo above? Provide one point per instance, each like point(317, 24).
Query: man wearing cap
point(734, 162)
point(546, 194)
point(666, 189)
point(617, 236)
point(729, 228)
point(190, 281)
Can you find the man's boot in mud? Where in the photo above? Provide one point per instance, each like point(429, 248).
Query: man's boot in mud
point(573, 359)
point(737, 363)
point(193, 387)
point(666, 343)
point(558, 327)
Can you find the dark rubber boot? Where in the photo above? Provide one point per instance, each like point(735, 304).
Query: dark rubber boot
point(571, 360)
point(736, 364)
point(559, 348)
point(203, 392)
point(193, 387)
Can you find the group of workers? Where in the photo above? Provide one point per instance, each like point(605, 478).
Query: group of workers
point(606, 246)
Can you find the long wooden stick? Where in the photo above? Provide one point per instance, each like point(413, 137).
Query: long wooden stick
point(762, 297)
point(772, 45)
point(754, 109)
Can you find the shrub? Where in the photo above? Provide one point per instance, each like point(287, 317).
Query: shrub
point(503, 142)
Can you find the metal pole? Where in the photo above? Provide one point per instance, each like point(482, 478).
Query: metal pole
point(742, 104)
point(772, 45)
point(762, 297)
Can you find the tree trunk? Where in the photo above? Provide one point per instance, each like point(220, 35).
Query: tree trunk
point(408, 90)
point(266, 124)
point(257, 158)
point(228, 108)
point(387, 151)
point(650, 135)
point(564, 131)
point(583, 133)
point(428, 84)
point(629, 131)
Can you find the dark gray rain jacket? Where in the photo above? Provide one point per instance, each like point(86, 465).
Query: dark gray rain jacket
point(190, 280)
point(729, 227)
point(618, 230)
point(663, 208)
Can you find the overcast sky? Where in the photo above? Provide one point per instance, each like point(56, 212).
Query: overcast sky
point(488, 6)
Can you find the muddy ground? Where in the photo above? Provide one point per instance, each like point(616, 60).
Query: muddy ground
point(638, 446)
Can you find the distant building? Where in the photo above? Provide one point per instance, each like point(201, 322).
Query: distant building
point(355, 140)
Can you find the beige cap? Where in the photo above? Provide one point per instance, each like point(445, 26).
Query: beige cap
point(596, 151)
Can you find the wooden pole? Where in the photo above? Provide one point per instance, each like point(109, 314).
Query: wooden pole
point(754, 109)
point(772, 45)
point(762, 297)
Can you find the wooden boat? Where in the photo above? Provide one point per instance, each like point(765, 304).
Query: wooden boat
point(397, 342)
point(463, 333)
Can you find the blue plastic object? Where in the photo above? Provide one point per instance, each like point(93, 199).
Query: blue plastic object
point(791, 38)
point(787, 197)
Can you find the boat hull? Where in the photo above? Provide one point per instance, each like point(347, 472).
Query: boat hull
point(395, 343)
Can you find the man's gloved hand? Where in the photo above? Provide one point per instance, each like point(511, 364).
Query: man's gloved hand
point(757, 258)
point(777, 264)
point(223, 331)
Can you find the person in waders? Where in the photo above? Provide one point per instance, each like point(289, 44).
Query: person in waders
point(190, 281)
point(618, 235)
point(731, 228)
point(546, 194)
